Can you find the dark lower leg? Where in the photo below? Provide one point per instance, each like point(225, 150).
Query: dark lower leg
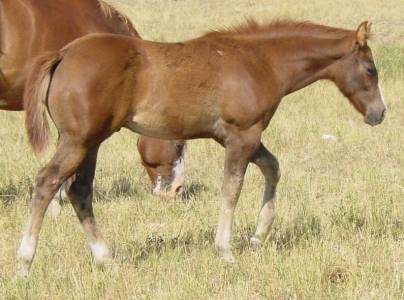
point(80, 193)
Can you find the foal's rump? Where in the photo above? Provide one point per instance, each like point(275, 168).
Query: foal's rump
point(66, 80)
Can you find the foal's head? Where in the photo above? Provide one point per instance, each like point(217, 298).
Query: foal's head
point(356, 76)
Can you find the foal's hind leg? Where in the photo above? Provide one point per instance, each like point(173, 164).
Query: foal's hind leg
point(80, 193)
point(269, 167)
point(63, 164)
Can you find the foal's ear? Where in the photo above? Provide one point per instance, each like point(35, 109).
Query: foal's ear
point(363, 33)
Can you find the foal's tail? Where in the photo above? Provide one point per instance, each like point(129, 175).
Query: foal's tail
point(35, 98)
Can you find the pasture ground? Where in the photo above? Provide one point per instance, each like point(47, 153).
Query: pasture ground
point(339, 233)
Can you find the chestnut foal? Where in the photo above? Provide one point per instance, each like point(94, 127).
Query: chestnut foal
point(228, 85)
point(30, 28)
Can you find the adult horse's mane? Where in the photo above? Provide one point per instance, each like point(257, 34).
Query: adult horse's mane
point(108, 10)
point(281, 28)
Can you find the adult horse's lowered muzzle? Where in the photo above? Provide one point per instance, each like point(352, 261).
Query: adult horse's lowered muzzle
point(374, 118)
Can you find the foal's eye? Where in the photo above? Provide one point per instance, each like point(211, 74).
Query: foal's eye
point(371, 71)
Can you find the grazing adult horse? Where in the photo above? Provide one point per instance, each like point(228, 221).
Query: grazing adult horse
point(228, 85)
point(164, 163)
point(30, 28)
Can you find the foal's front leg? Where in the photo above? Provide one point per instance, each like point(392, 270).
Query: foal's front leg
point(239, 150)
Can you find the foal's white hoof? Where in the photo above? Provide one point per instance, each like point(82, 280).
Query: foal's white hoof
point(22, 270)
point(227, 256)
point(101, 254)
point(255, 243)
point(104, 262)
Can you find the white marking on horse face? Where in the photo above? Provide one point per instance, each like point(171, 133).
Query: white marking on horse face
point(157, 187)
point(179, 172)
point(381, 94)
point(100, 251)
point(168, 185)
point(27, 248)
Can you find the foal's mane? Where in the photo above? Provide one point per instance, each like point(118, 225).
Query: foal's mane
point(110, 11)
point(281, 28)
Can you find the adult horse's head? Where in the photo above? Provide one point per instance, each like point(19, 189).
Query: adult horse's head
point(356, 76)
point(164, 163)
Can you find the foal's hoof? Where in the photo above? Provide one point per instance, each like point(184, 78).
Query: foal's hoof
point(22, 270)
point(227, 256)
point(104, 262)
point(255, 243)
point(101, 254)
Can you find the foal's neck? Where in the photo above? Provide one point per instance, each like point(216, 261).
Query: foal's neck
point(299, 61)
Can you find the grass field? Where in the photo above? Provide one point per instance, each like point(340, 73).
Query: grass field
point(339, 233)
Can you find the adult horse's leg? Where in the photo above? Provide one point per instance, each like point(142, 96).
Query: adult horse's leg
point(49, 179)
point(55, 207)
point(269, 167)
point(80, 193)
point(239, 150)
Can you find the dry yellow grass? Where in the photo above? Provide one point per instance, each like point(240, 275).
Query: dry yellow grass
point(340, 227)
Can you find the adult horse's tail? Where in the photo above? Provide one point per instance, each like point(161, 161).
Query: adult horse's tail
point(35, 98)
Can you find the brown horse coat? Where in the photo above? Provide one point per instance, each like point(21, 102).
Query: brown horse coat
point(56, 23)
point(30, 28)
point(224, 85)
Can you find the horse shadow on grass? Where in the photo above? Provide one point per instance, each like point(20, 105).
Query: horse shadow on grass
point(10, 192)
point(192, 190)
point(121, 187)
point(284, 237)
point(125, 187)
point(135, 252)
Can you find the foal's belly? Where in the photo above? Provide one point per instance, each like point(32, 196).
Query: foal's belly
point(166, 126)
point(150, 124)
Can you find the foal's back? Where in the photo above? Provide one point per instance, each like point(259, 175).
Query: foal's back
point(170, 90)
